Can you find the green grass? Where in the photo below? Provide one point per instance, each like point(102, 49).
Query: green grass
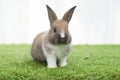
point(87, 62)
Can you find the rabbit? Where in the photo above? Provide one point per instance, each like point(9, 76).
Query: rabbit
point(54, 46)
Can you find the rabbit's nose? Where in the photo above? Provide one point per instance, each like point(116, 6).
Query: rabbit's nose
point(62, 34)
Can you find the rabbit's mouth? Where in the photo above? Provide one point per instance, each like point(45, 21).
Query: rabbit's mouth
point(62, 40)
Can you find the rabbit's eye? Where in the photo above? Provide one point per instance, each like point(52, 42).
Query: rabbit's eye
point(54, 29)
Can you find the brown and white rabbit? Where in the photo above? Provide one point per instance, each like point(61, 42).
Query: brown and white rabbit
point(53, 46)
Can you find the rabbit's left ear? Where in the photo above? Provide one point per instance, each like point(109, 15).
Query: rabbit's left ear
point(68, 15)
point(51, 14)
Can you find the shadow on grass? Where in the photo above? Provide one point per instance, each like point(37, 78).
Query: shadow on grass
point(33, 63)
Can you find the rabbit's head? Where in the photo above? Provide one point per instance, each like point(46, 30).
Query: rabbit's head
point(59, 33)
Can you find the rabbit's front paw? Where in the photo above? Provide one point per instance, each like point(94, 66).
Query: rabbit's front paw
point(63, 64)
point(51, 66)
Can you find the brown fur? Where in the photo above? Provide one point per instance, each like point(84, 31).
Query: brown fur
point(36, 50)
point(60, 25)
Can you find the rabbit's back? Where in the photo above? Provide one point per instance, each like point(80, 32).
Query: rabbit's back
point(36, 49)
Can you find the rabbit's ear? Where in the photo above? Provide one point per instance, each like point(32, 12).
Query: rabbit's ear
point(51, 14)
point(68, 15)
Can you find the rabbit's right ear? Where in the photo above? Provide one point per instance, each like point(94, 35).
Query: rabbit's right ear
point(68, 15)
point(51, 14)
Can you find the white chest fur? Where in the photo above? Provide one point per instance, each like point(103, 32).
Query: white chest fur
point(60, 51)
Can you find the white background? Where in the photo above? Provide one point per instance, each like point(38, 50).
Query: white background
point(93, 22)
